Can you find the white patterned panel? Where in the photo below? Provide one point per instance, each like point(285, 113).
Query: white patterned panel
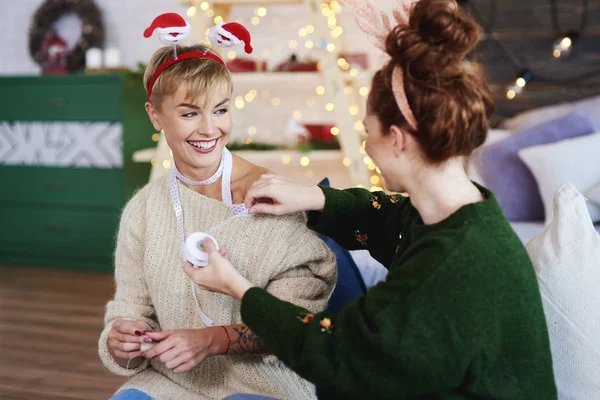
point(61, 144)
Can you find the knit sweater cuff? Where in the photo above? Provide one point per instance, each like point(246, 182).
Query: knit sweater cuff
point(325, 222)
point(264, 313)
point(108, 360)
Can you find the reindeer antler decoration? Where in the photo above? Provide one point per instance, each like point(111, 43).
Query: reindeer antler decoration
point(378, 27)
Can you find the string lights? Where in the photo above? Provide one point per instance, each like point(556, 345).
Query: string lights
point(522, 80)
point(563, 44)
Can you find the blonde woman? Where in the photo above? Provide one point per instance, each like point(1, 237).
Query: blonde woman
point(200, 349)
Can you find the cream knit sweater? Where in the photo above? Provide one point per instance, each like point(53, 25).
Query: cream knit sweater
point(276, 253)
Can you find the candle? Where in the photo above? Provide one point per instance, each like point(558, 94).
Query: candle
point(93, 58)
point(112, 58)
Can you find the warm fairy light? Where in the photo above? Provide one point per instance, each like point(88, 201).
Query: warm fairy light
point(319, 66)
point(166, 164)
point(204, 6)
point(261, 12)
point(309, 44)
point(153, 162)
point(376, 189)
point(377, 170)
point(337, 31)
point(231, 55)
point(286, 159)
point(248, 98)
point(348, 90)
point(362, 150)
point(210, 13)
point(359, 126)
point(521, 82)
point(239, 102)
point(556, 53)
point(276, 102)
point(320, 90)
point(360, 186)
point(302, 32)
point(346, 66)
point(367, 160)
point(371, 166)
point(335, 6)
point(375, 179)
point(364, 91)
point(353, 110)
point(248, 141)
point(293, 44)
point(304, 161)
point(346, 161)
point(310, 29)
point(255, 20)
point(155, 137)
point(511, 94)
point(341, 62)
point(331, 47)
point(218, 19)
point(353, 72)
point(329, 107)
point(335, 131)
point(297, 115)
point(252, 131)
point(332, 21)
point(191, 11)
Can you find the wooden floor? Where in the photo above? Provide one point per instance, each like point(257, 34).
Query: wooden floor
point(50, 321)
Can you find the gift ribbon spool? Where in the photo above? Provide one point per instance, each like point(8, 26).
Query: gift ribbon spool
point(195, 253)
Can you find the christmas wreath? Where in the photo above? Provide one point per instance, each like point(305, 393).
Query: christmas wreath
point(49, 12)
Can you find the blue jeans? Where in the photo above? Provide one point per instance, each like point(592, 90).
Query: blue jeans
point(131, 394)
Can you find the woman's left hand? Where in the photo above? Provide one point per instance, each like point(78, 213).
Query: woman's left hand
point(183, 349)
point(219, 275)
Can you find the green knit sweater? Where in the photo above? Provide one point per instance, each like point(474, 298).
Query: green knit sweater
point(458, 317)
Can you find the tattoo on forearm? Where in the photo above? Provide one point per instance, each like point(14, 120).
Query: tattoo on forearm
point(243, 340)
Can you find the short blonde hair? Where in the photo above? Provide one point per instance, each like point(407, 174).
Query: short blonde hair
point(200, 75)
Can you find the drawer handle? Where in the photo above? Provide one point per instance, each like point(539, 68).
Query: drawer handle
point(56, 187)
point(55, 102)
point(57, 228)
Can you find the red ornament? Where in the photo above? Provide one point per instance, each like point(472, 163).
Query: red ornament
point(54, 54)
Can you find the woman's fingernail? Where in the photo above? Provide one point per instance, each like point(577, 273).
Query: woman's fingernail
point(138, 333)
point(147, 340)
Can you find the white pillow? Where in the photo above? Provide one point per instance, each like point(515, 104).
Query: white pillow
point(566, 257)
point(474, 166)
point(593, 194)
point(540, 115)
point(576, 160)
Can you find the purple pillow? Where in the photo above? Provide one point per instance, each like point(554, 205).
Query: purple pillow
point(509, 178)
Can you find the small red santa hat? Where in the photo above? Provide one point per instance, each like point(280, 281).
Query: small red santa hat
point(236, 33)
point(168, 20)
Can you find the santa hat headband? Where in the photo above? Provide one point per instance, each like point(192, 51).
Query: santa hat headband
point(173, 29)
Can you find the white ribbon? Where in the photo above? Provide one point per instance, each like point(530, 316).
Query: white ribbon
point(191, 249)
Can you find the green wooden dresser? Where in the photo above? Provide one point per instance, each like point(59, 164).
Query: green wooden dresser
point(66, 168)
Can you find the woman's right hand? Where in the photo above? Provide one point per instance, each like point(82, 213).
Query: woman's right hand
point(275, 195)
point(125, 339)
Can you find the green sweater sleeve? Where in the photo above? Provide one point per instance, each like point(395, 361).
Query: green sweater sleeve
point(361, 220)
point(397, 341)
